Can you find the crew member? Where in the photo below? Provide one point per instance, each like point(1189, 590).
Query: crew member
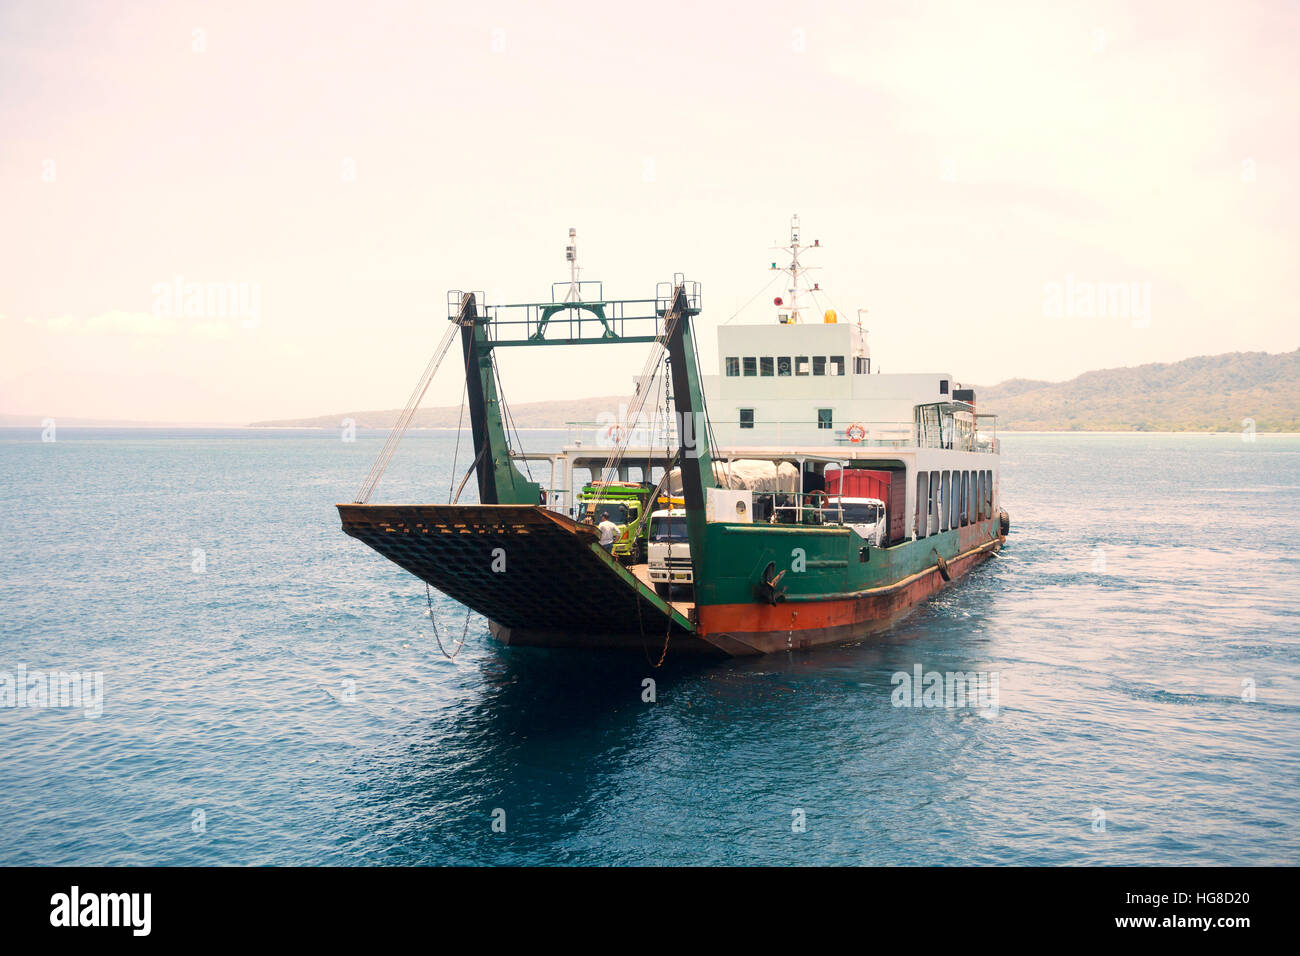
point(608, 531)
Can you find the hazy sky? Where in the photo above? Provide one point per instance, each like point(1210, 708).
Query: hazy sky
point(968, 168)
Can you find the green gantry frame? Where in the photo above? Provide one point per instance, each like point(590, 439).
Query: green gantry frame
point(485, 328)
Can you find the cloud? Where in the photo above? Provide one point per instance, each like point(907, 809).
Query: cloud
point(132, 325)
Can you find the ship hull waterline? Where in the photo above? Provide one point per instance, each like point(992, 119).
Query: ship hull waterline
point(542, 580)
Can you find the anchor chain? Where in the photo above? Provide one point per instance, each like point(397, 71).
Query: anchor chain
point(460, 644)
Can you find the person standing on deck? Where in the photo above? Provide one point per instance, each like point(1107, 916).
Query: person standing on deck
point(608, 531)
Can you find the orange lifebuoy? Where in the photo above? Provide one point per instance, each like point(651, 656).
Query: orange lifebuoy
point(855, 433)
point(615, 433)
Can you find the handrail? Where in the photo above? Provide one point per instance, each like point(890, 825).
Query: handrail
point(878, 434)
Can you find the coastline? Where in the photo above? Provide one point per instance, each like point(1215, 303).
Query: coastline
point(208, 426)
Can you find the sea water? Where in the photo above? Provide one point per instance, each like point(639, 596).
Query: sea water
point(271, 690)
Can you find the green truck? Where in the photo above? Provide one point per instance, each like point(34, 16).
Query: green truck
point(626, 502)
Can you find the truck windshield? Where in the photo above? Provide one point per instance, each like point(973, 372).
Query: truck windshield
point(617, 512)
point(668, 529)
point(857, 513)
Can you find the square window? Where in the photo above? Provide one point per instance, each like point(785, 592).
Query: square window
point(751, 365)
point(819, 364)
point(765, 365)
point(801, 365)
point(824, 418)
point(746, 418)
point(836, 366)
point(733, 365)
point(783, 365)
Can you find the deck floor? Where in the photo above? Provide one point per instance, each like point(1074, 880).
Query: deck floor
point(682, 607)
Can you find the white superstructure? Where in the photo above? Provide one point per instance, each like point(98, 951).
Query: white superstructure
point(801, 387)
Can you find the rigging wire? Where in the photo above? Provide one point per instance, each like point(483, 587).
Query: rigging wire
point(508, 420)
point(468, 471)
point(610, 468)
point(813, 293)
point(766, 286)
point(708, 421)
point(460, 427)
point(404, 418)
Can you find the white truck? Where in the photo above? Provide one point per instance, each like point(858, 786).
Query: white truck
point(668, 550)
point(866, 516)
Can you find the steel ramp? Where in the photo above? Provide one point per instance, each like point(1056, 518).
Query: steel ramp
point(539, 577)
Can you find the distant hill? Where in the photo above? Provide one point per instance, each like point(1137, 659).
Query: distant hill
point(555, 414)
point(38, 421)
point(1208, 393)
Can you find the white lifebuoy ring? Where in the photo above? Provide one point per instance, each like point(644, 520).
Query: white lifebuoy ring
point(856, 433)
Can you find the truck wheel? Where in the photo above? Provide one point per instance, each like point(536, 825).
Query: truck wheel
point(663, 590)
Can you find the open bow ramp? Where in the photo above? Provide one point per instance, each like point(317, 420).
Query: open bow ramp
point(539, 577)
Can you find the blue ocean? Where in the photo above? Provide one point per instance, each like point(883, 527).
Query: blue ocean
point(271, 691)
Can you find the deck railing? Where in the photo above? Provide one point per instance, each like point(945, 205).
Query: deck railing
point(801, 434)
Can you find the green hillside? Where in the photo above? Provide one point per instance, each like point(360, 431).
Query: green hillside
point(1207, 393)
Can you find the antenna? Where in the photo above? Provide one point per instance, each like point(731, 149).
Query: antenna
point(864, 350)
point(795, 271)
point(571, 256)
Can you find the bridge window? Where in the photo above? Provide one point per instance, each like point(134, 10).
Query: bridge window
point(765, 365)
point(825, 418)
point(746, 418)
point(943, 385)
point(819, 364)
point(751, 365)
point(861, 365)
point(801, 365)
point(837, 365)
point(733, 365)
point(783, 365)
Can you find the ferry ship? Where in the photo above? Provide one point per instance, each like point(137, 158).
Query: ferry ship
point(797, 497)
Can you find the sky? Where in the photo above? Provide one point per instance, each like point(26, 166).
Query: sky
point(1009, 189)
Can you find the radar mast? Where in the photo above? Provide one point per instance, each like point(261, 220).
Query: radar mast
point(792, 311)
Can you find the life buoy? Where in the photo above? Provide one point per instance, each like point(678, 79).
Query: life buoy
point(855, 433)
point(615, 433)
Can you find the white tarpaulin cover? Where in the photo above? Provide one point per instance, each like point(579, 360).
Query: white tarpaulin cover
point(747, 474)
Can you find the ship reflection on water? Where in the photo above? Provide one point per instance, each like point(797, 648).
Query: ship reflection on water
point(588, 769)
